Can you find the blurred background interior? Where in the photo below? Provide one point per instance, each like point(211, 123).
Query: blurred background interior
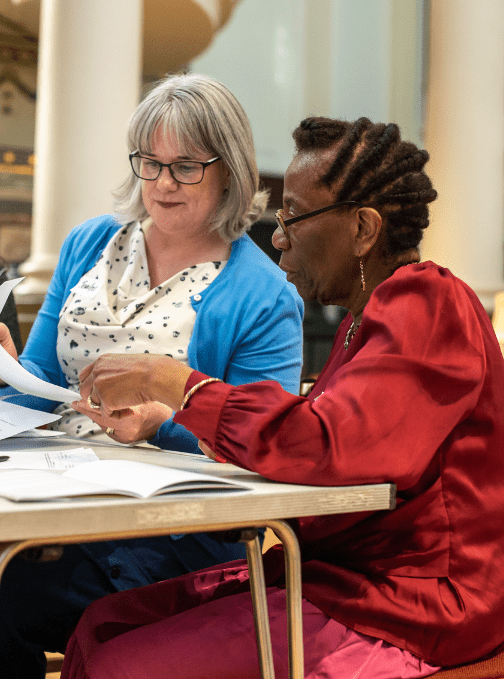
point(72, 71)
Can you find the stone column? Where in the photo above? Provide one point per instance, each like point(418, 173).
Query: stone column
point(89, 82)
point(465, 137)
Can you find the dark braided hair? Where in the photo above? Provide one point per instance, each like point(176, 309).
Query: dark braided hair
point(372, 165)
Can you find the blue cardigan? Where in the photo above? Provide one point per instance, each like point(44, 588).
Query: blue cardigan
point(248, 322)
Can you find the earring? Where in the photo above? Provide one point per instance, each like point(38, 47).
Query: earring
point(363, 282)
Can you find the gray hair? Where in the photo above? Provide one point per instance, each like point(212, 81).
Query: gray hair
point(202, 114)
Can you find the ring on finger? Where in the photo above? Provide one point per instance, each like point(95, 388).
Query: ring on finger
point(109, 431)
point(92, 404)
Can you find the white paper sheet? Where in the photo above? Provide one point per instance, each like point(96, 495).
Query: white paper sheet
point(15, 419)
point(14, 374)
point(47, 459)
point(39, 434)
point(6, 288)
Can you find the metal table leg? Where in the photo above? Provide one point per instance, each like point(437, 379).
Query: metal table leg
point(7, 551)
point(294, 596)
point(259, 603)
point(294, 599)
point(257, 585)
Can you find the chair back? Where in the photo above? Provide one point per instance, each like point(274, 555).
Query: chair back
point(492, 668)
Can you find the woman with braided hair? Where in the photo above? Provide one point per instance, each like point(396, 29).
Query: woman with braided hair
point(411, 394)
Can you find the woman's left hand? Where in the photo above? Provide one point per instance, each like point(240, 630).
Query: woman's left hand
point(210, 453)
point(206, 450)
point(139, 423)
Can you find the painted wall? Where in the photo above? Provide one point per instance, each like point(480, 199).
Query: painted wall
point(293, 58)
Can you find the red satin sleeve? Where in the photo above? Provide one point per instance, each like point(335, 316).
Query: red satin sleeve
point(413, 372)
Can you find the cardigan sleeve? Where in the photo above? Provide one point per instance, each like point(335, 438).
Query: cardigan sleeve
point(39, 356)
point(273, 346)
point(271, 350)
point(78, 253)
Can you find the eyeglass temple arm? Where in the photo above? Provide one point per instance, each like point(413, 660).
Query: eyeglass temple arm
point(293, 220)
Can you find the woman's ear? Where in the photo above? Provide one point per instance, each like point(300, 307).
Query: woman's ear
point(368, 230)
point(226, 177)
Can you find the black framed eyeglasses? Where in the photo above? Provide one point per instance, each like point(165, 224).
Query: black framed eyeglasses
point(182, 171)
point(284, 223)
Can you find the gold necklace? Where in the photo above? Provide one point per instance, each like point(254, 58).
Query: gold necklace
point(351, 332)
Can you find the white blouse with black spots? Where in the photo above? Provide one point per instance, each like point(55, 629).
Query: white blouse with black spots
point(114, 309)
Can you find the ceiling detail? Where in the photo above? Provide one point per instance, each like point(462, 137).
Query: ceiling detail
point(17, 44)
point(175, 31)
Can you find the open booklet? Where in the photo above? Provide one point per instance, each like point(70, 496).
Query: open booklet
point(108, 477)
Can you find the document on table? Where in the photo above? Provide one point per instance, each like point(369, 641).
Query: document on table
point(47, 459)
point(111, 477)
point(14, 419)
point(38, 434)
point(14, 374)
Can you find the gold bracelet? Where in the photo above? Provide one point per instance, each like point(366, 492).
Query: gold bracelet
point(194, 389)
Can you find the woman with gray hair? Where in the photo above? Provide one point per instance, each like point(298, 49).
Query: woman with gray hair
point(173, 274)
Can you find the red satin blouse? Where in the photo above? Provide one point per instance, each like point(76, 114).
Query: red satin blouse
point(418, 400)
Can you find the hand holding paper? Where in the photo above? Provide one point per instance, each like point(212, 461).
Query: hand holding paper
point(13, 372)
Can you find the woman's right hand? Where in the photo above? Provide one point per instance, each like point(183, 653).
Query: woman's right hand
point(138, 423)
point(6, 341)
point(120, 381)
